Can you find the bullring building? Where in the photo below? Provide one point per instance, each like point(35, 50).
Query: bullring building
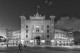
point(37, 31)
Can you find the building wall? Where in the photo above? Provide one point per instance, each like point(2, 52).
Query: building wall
point(36, 22)
point(14, 37)
point(62, 38)
point(38, 26)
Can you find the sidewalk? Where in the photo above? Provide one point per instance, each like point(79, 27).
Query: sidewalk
point(76, 46)
point(2, 46)
point(69, 47)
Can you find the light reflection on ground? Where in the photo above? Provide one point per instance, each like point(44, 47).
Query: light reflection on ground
point(12, 49)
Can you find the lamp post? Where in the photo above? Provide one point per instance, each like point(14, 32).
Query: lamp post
point(7, 37)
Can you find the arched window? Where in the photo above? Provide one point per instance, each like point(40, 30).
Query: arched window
point(26, 26)
point(47, 31)
point(47, 26)
point(37, 29)
point(26, 36)
point(47, 36)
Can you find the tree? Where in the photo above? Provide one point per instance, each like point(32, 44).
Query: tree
point(76, 37)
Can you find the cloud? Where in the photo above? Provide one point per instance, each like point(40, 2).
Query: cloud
point(69, 23)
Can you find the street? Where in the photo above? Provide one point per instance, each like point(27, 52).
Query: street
point(15, 49)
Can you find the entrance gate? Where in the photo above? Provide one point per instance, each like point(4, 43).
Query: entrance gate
point(37, 40)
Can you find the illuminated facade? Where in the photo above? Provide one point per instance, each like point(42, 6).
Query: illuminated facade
point(39, 31)
point(14, 37)
point(62, 38)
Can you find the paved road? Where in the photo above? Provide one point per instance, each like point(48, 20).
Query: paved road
point(36, 50)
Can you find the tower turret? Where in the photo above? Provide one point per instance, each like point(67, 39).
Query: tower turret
point(23, 18)
point(37, 16)
point(52, 17)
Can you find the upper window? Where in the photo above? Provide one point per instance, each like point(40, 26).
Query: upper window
point(47, 31)
point(37, 29)
point(47, 26)
point(26, 26)
point(47, 36)
point(26, 36)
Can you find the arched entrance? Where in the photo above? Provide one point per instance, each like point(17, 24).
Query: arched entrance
point(37, 40)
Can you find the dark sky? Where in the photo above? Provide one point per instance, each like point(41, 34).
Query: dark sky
point(10, 10)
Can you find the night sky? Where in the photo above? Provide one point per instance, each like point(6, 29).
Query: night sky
point(10, 10)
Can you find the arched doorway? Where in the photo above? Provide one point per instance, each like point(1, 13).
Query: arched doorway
point(37, 40)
